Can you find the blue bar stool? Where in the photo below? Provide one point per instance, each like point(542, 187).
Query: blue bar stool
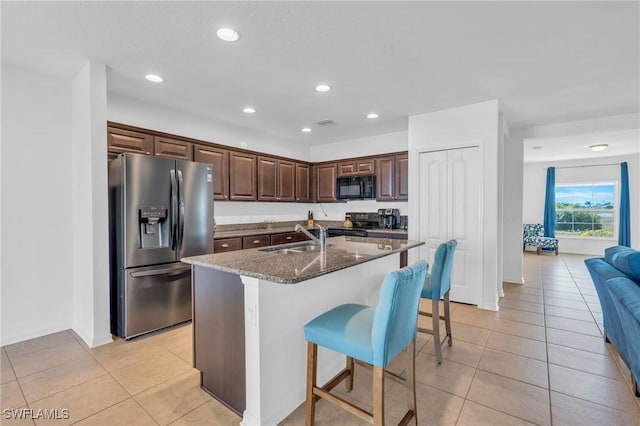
point(371, 335)
point(436, 287)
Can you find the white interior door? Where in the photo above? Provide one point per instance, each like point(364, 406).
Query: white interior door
point(450, 208)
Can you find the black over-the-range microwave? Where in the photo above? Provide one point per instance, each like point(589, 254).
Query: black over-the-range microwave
point(356, 187)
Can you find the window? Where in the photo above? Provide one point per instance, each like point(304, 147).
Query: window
point(585, 210)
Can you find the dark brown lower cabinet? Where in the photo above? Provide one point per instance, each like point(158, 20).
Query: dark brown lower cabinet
point(218, 335)
point(227, 244)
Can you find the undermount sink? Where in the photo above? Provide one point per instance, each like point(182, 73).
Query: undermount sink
point(299, 248)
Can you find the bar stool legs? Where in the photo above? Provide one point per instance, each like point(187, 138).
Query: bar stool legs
point(377, 416)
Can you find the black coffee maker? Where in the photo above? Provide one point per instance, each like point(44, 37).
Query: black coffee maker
point(389, 218)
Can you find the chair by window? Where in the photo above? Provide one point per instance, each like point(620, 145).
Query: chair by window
point(371, 335)
point(436, 287)
point(533, 236)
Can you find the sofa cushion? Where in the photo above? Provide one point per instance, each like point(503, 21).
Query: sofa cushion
point(624, 259)
point(628, 293)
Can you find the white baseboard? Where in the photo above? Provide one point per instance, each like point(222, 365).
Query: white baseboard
point(32, 334)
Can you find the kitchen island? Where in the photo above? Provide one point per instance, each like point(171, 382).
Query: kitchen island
point(250, 307)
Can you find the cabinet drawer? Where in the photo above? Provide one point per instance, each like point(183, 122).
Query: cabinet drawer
point(227, 244)
point(288, 237)
point(256, 241)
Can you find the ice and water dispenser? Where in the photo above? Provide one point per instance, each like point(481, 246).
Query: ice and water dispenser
point(153, 227)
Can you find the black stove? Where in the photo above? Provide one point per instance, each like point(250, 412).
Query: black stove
point(361, 222)
point(354, 232)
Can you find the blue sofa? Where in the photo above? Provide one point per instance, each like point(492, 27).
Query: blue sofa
point(617, 281)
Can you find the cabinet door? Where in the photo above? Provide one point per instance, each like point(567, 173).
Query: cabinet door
point(303, 193)
point(326, 187)
point(402, 177)
point(286, 181)
point(242, 176)
point(267, 179)
point(385, 176)
point(119, 141)
point(172, 148)
point(256, 241)
point(347, 168)
point(365, 167)
point(219, 159)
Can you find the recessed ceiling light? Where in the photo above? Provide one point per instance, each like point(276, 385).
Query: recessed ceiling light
point(228, 34)
point(306, 129)
point(249, 110)
point(155, 78)
point(599, 147)
point(323, 88)
point(372, 115)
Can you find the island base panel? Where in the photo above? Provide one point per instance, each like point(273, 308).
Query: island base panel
point(219, 346)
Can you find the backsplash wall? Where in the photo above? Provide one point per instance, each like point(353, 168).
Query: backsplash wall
point(228, 212)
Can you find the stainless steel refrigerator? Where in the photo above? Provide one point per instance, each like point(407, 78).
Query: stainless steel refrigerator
point(160, 210)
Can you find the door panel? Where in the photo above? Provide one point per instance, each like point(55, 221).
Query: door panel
point(449, 208)
point(197, 226)
point(147, 183)
point(464, 182)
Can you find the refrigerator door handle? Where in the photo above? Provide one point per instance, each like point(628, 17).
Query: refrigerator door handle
point(181, 211)
point(164, 271)
point(174, 211)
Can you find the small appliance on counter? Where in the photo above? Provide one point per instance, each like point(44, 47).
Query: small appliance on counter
point(404, 222)
point(389, 218)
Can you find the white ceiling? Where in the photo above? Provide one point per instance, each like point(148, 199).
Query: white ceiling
point(576, 147)
point(547, 62)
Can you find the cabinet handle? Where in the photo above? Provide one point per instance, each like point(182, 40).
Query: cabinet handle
point(225, 245)
point(256, 241)
point(289, 238)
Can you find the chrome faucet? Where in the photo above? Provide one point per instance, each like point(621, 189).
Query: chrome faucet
point(319, 241)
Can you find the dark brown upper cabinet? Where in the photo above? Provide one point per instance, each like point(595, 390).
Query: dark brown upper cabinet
point(356, 167)
point(276, 179)
point(303, 181)
point(392, 178)
point(173, 148)
point(219, 159)
point(242, 176)
point(326, 175)
point(402, 177)
point(119, 141)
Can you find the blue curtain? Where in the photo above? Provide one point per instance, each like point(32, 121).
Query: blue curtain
point(624, 231)
point(550, 204)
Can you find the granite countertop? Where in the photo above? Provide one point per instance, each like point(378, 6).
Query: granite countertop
point(235, 233)
point(293, 267)
point(247, 232)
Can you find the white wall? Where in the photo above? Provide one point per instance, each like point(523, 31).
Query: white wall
point(37, 293)
point(249, 212)
point(149, 116)
point(512, 208)
point(361, 147)
point(90, 205)
point(476, 124)
point(534, 187)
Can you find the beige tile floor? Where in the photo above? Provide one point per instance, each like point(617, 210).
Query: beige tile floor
point(540, 360)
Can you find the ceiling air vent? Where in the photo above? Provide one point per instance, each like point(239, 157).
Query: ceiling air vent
point(325, 123)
